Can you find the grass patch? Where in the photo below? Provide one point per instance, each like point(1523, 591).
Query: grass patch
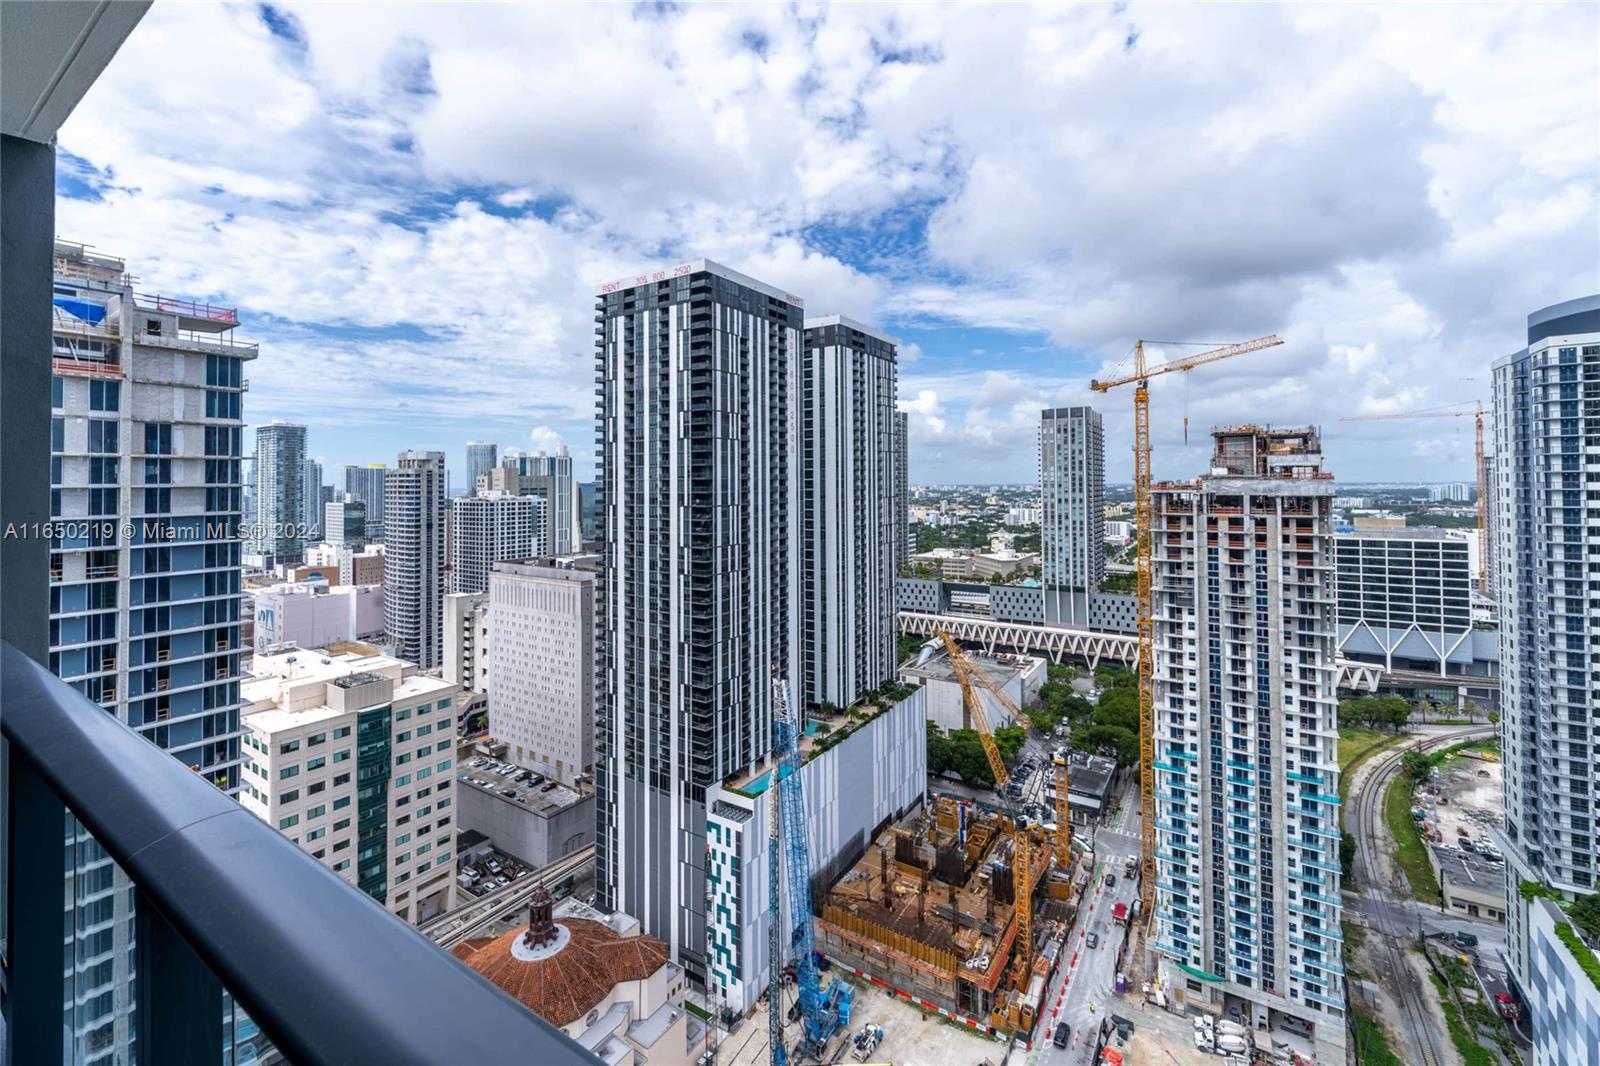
point(1356, 746)
point(1586, 958)
point(1372, 1043)
point(1472, 1052)
point(1410, 852)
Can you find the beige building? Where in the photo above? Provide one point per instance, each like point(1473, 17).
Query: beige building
point(542, 663)
point(315, 724)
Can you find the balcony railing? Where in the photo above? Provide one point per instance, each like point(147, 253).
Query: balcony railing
point(223, 903)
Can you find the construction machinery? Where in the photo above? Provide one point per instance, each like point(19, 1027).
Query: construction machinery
point(1481, 465)
point(1140, 379)
point(820, 1013)
point(970, 675)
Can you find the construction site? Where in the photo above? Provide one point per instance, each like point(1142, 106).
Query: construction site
point(931, 910)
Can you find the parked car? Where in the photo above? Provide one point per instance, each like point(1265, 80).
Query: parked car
point(1092, 940)
point(1063, 1035)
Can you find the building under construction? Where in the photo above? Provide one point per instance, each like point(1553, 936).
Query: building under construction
point(930, 909)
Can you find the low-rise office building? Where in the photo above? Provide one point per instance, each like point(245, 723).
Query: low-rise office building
point(1018, 676)
point(314, 614)
point(352, 757)
point(527, 816)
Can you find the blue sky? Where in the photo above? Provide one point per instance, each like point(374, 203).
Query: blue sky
point(411, 204)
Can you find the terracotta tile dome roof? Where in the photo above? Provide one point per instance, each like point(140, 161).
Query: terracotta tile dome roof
point(563, 987)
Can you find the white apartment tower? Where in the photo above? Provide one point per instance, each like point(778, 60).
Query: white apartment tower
point(850, 484)
point(542, 663)
point(414, 556)
point(1547, 550)
point(698, 436)
point(551, 475)
point(490, 527)
point(145, 579)
point(353, 758)
point(1246, 761)
point(1072, 526)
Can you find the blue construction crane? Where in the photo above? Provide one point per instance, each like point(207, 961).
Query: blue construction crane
point(821, 1013)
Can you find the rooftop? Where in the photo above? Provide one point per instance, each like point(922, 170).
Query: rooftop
point(564, 984)
point(523, 787)
point(850, 323)
point(698, 266)
point(1001, 668)
point(1465, 870)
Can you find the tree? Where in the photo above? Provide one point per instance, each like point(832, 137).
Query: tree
point(941, 757)
point(1117, 707)
point(1585, 913)
point(1009, 739)
point(1415, 765)
point(1347, 854)
point(1121, 744)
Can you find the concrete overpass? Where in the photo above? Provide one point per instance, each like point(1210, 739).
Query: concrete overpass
point(1088, 644)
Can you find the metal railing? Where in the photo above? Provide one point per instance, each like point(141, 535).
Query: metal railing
point(223, 902)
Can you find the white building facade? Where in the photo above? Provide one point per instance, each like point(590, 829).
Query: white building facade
point(1246, 763)
point(414, 557)
point(311, 614)
point(353, 758)
point(541, 676)
point(487, 528)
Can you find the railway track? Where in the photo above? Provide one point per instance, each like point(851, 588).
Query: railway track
point(1421, 1036)
point(451, 928)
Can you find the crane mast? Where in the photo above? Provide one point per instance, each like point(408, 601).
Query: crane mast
point(970, 676)
point(1143, 510)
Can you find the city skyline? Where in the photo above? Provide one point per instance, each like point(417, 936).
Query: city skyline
point(357, 159)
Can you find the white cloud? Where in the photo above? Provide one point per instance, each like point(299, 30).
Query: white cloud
point(411, 208)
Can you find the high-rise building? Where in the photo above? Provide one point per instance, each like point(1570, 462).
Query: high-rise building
point(1246, 767)
point(1072, 527)
point(542, 663)
point(848, 487)
point(551, 476)
point(480, 460)
point(905, 537)
point(697, 434)
point(352, 757)
point(280, 491)
point(311, 523)
point(1452, 492)
point(365, 483)
point(1547, 539)
point(145, 579)
point(344, 523)
point(414, 556)
point(489, 528)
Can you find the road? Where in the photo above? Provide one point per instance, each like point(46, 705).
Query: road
point(452, 927)
point(1088, 975)
point(1385, 900)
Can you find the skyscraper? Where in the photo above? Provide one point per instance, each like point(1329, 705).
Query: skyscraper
point(551, 475)
point(480, 460)
point(1072, 532)
point(413, 568)
point(489, 528)
point(344, 523)
point(280, 491)
point(850, 482)
point(1546, 535)
point(365, 483)
point(697, 434)
point(146, 441)
point(1246, 766)
point(312, 521)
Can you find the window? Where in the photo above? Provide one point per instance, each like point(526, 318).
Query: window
point(316, 812)
point(316, 834)
point(316, 764)
point(402, 781)
point(103, 395)
point(315, 738)
point(444, 704)
point(342, 864)
point(340, 779)
point(292, 820)
point(341, 824)
point(289, 796)
point(342, 756)
point(341, 803)
point(341, 732)
point(288, 772)
point(284, 749)
point(401, 738)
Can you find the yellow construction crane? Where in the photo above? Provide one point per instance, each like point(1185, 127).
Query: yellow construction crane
point(1140, 379)
point(970, 675)
point(1476, 414)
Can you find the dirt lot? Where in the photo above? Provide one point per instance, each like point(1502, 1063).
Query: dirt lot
point(1474, 790)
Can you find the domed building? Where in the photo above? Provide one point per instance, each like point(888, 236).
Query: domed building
point(592, 976)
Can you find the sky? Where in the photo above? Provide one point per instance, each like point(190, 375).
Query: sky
point(411, 205)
